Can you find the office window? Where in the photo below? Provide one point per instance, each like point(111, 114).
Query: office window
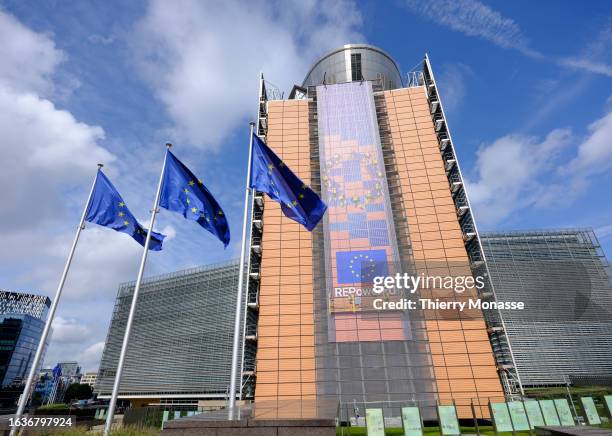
point(356, 66)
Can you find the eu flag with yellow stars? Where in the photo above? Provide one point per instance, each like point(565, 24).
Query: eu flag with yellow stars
point(108, 209)
point(184, 193)
point(270, 175)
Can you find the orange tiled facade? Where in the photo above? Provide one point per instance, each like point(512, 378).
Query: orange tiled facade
point(285, 350)
point(459, 349)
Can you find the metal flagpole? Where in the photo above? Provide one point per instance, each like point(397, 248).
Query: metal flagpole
point(128, 326)
point(236, 344)
point(25, 396)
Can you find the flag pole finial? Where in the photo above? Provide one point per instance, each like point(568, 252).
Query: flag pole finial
point(100, 165)
point(168, 144)
point(252, 123)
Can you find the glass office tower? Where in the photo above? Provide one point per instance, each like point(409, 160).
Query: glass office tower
point(181, 341)
point(563, 335)
point(378, 150)
point(22, 319)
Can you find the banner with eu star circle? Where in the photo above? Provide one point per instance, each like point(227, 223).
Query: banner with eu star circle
point(360, 241)
point(360, 266)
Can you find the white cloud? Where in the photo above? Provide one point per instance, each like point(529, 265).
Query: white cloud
point(604, 232)
point(587, 65)
point(89, 359)
point(103, 259)
point(595, 152)
point(45, 152)
point(509, 173)
point(28, 58)
point(69, 331)
point(452, 84)
point(517, 171)
point(101, 39)
point(594, 54)
point(87, 356)
point(203, 58)
point(474, 18)
point(48, 162)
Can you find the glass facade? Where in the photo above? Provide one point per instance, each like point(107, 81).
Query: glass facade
point(355, 62)
point(564, 330)
point(22, 319)
point(19, 336)
point(367, 355)
point(181, 340)
point(360, 240)
point(27, 304)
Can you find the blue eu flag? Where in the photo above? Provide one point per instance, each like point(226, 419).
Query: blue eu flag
point(184, 193)
point(57, 371)
point(270, 175)
point(360, 266)
point(108, 209)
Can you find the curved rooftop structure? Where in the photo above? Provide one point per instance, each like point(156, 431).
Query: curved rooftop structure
point(355, 62)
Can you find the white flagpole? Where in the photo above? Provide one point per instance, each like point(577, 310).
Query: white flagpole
point(128, 326)
point(236, 344)
point(25, 396)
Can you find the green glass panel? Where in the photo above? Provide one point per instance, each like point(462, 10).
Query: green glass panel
point(449, 425)
point(518, 415)
point(608, 402)
point(177, 414)
point(550, 412)
point(501, 417)
point(165, 417)
point(375, 423)
point(534, 414)
point(564, 412)
point(411, 420)
point(590, 410)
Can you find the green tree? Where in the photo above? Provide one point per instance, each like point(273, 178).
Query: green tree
point(77, 391)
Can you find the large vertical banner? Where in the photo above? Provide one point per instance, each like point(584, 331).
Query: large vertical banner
point(360, 240)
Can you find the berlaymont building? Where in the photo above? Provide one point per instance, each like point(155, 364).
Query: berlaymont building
point(375, 143)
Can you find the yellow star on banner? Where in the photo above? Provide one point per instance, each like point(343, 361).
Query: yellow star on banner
point(301, 195)
point(121, 204)
point(194, 209)
point(188, 201)
point(127, 223)
point(270, 168)
point(120, 214)
point(220, 212)
point(186, 191)
point(294, 203)
point(191, 183)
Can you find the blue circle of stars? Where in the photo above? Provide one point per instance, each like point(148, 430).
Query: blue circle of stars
point(367, 266)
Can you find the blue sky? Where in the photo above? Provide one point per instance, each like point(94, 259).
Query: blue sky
point(527, 88)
